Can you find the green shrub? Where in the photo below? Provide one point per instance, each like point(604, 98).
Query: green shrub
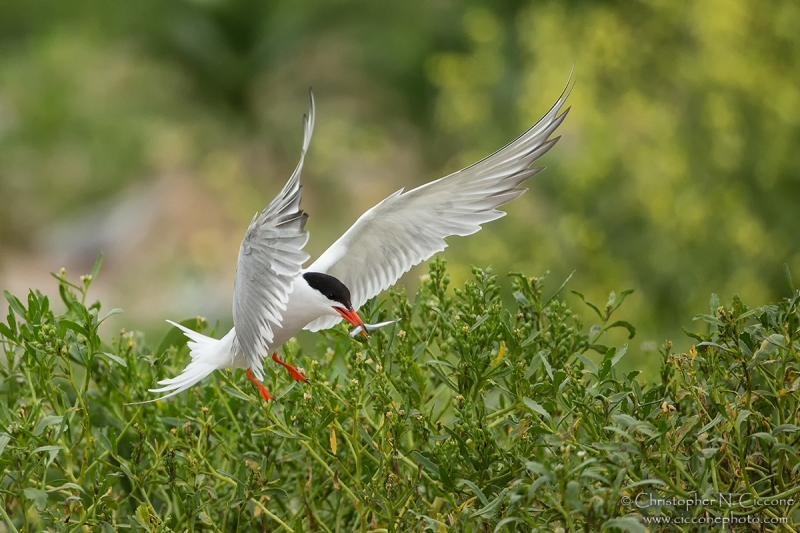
point(464, 416)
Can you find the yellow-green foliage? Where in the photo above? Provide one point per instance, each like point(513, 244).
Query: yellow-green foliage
point(677, 174)
point(678, 167)
point(465, 416)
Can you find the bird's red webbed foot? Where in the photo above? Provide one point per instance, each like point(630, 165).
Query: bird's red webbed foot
point(261, 389)
point(296, 375)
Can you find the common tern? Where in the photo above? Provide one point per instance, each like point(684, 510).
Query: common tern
point(275, 297)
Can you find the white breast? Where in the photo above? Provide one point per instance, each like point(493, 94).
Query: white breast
point(304, 306)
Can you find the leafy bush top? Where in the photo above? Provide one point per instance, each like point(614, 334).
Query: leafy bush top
point(465, 416)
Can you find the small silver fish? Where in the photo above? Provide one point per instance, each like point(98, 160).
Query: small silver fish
point(370, 327)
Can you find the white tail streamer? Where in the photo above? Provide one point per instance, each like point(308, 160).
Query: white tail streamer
point(208, 354)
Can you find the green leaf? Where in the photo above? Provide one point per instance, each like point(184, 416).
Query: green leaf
point(547, 368)
point(621, 298)
point(426, 463)
point(229, 476)
point(533, 366)
point(6, 332)
point(476, 490)
point(785, 428)
point(96, 267)
point(15, 304)
point(12, 320)
point(587, 363)
point(765, 436)
point(481, 320)
point(282, 434)
point(611, 297)
point(605, 365)
point(115, 358)
point(143, 516)
point(778, 339)
point(619, 355)
point(623, 324)
point(494, 504)
point(791, 451)
point(236, 394)
point(626, 420)
point(530, 340)
point(274, 491)
point(67, 486)
point(560, 288)
point(116, 311)
point(4, 440)
point(441, 377)
point(366, 436)
point(325, 422)
point(419, 350)
point(741, 417)
point(37, 496)
point(204, 518)
point(788, 275)
point(644, 482)
point(51, 450)
point(105, 443)
point(634, 424)
point(713, 305)
point(465, 449)
point(715, 345)
point(693, 335)
point(536, 408)
point(704, 429)
point(609, 354)
point(51, 420)
point(73, 326)
point(714, 321)
point(536, 468)
point(504, 522)
point(590, 304)
point(521, 300)
point(744, 348)
point(446, 364)
point(572, 495)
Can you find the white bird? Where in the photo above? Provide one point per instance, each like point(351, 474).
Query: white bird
point(275, 297)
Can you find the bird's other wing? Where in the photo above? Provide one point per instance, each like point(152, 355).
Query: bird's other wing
point(409, 227)
point(270, 257)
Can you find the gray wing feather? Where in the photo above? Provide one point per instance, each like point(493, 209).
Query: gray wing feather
point(270, 257)
point(409, 227)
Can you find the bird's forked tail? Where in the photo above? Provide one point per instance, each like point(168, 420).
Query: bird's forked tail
point(208, 354)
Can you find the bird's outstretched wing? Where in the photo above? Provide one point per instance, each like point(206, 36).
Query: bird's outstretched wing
point(409, 227)
point(270, 257)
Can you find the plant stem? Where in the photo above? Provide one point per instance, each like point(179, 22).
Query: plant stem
point(269, 514)
point(6, 518)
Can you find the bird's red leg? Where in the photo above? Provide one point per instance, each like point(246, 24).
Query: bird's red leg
point(264, 393)
point(292, 370)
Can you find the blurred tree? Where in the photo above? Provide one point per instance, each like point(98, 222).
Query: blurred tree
point(679, 171)
point(677, 174)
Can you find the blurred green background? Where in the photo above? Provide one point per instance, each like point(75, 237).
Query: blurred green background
point(152, 131)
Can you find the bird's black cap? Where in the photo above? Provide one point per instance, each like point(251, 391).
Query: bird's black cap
point(330, 287)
